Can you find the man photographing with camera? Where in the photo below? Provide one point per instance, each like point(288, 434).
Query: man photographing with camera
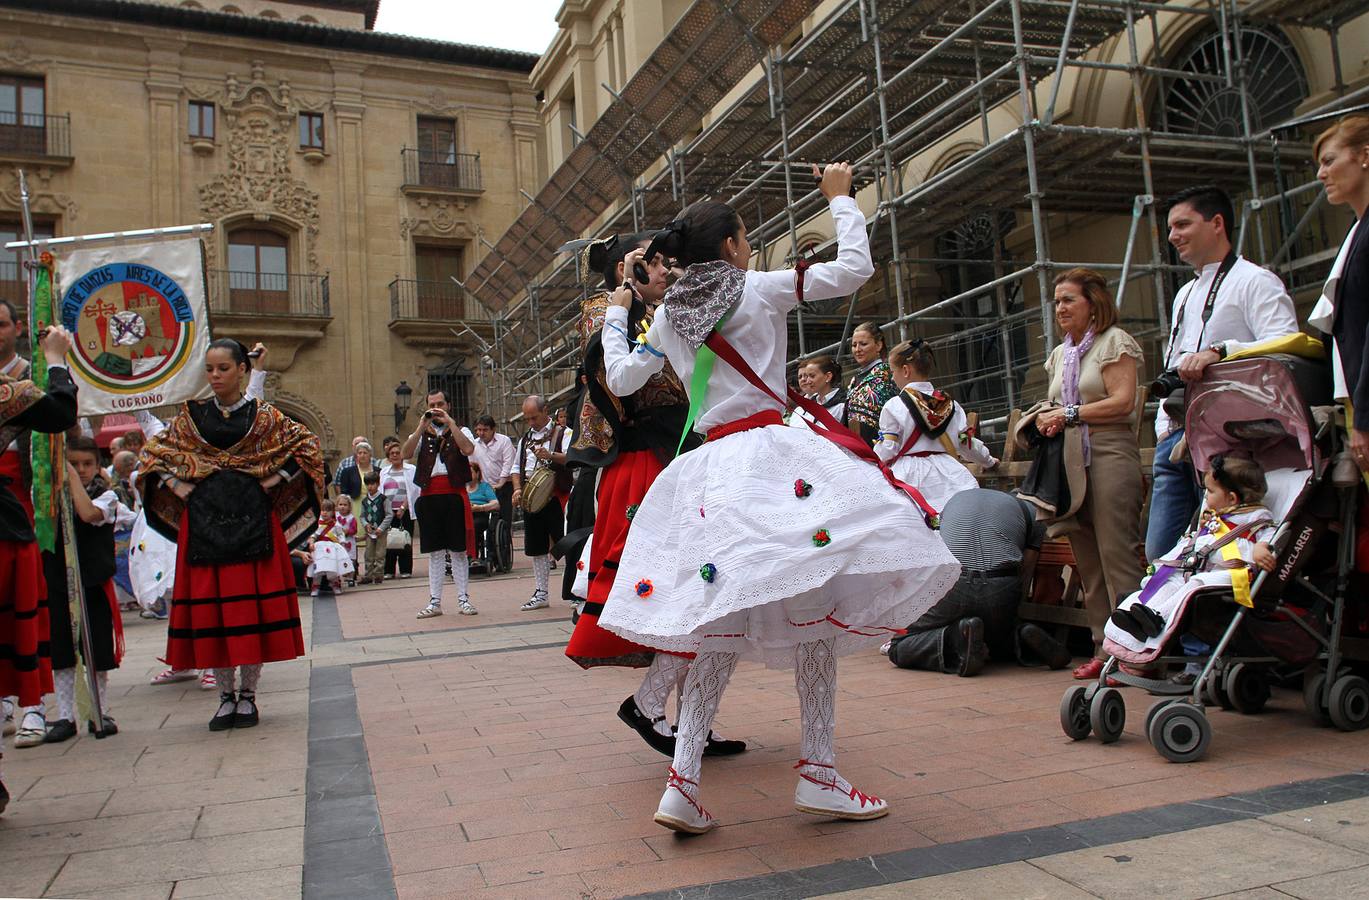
point(1230, 305)
point(443, 510)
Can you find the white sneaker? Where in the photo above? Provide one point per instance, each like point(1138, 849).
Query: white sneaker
point(432, 610)
point(828, 794)
point(463, 606)
point(679, 811)
point(538, 601)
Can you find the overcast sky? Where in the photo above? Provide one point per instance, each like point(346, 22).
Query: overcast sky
point(512, 24)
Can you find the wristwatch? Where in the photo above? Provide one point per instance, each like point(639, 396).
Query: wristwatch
point(1218, 348)
point(1072, 414)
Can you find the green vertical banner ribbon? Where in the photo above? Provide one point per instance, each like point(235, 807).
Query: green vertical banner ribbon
point(43, 446)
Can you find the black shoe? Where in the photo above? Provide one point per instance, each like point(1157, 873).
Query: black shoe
point(61, 730)
point(1152, 623)
point(1124, 620)
point(971, 647)
point(227, 715)
point(108, 730)
point(716, 746)
point(249, 718)
point(1042, 646)
point(4, 797)
point(634, 719)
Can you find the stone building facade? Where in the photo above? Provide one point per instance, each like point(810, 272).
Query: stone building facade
point(349, 175)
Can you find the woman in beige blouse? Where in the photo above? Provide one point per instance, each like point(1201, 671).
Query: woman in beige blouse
point(1093, 379)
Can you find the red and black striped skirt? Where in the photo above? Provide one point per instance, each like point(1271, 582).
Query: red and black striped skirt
point(622, 487)
point(25, 655)
point(233, 614)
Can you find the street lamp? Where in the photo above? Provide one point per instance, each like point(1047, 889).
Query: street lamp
point(402, 395)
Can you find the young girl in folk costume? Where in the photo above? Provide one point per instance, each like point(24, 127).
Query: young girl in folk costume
point(629, 428)
point(923, 433)
point(223, 481)
point(328, 548)
point(820, 380)
point(98, 513)
point(25, 668)
point(1232, 538)
point(871, 387)
point(348, 523)
point(768, 541)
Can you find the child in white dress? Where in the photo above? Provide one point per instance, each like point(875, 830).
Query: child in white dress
point(328, 551)
point(348, 523)
point(768, 541)
point(923, 434)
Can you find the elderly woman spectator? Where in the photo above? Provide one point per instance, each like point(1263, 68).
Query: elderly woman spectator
point(1093, 389)
point(871, 387)
point(1342, 154)
point(351, 479)
point(397, 484)
point(820, 380)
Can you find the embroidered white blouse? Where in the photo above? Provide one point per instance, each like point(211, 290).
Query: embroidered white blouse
point(758, 329)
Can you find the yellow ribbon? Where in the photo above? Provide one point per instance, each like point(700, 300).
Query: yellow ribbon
point(1240, 574)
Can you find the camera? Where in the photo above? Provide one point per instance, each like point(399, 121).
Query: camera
point(1166, 383)
point(429, 414)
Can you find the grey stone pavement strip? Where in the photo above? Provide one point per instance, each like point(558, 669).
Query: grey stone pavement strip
point(1058, 848)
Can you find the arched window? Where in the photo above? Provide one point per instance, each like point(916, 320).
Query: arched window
point(1277, 84)
point(258, 271)
point(269, 14)
point(191, 4)
point(308, 20)
point(231, 9)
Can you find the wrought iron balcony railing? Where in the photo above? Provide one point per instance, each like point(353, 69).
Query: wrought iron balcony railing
point(266, 294)
point(441, 300)
point(442, 171)
point(33, 134)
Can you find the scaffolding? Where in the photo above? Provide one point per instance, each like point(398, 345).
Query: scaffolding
point(964, 253)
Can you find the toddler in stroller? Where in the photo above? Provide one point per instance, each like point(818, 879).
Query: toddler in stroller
point(1233, 533)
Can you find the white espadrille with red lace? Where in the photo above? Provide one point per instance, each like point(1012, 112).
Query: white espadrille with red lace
point(680, 811)
point(822, 792)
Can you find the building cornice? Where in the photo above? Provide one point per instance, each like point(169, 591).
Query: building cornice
point(299, 33)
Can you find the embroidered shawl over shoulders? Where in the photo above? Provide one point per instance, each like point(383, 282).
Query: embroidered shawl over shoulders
point(273, 441)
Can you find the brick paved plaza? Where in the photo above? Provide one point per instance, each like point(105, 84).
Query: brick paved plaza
point(466, 757)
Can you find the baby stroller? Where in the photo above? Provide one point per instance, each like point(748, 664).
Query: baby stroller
point(1264, 406)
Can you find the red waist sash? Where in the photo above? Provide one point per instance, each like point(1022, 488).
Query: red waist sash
point(759, 420)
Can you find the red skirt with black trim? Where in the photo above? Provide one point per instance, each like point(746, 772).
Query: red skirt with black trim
point(622, 486)
point(234, 614)
point(25, 655)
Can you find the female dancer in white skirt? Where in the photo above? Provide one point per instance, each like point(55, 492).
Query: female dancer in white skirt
point(932, 459)
point(767, 541)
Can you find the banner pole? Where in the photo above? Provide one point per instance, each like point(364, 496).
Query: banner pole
point(76, 597)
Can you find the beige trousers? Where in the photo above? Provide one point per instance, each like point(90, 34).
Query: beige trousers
point(1107, 546)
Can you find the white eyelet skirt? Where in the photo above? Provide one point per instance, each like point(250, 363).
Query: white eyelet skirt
point(724, 555)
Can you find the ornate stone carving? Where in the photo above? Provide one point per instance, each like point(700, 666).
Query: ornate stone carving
point(443, 217)
point(42, 198)
point(17, 55)
point(307, 412)
point(260, 124)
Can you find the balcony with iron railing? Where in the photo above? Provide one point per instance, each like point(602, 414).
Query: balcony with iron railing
point(265, 294)
point(426, 170)
point(35, 136)
point(426, 313)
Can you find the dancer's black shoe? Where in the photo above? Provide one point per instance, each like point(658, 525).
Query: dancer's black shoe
point(634, 718)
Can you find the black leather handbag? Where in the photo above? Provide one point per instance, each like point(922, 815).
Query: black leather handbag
point(230, 520)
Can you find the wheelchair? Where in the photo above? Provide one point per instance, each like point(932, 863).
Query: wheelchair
point(495, 545)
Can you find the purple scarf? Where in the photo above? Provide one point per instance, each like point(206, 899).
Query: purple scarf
point(1069, 379)
point(699, 300)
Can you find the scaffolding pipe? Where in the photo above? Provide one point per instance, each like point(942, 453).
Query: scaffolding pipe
point(777, 105)
point(869, 12)
point(1147, 174)
point(1065, 39)
point(1142, 202)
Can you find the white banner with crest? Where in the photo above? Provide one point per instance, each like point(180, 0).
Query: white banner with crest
point(139, 317)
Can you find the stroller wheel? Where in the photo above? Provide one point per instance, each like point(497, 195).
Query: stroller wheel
point(1180, 732)
point(1155, 708)
point(1074, 713)
point(1212, 692)
point(1314, 698)
point(1247, 688)
point(1349, 703)
point(1108, 714)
